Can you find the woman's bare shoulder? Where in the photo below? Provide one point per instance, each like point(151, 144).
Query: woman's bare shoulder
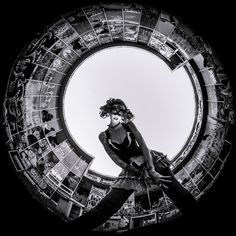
point(102, 136)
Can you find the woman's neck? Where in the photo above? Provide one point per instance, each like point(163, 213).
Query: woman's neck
point(111, 125)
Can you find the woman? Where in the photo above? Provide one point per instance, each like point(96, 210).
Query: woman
point(141, 167)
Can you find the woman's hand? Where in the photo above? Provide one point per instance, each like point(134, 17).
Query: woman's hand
point(159, 179)
point(155, 175)
point(147, 178)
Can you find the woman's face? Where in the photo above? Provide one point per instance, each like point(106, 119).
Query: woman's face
point(117, 114)
point(115, 119)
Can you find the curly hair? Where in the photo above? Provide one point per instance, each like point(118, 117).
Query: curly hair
point(120, 106)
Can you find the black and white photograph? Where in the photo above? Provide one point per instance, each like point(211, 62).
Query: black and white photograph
point(149, 16)
point(90, 39)
point(118, 118)
point(116, 29)
point(130, 32)
point(103, 33)
point(166, 23)
point(68, 54)
point(39, 72)
point(113, 11)
point(78, 46)
point(144, 35)
point(131, 17)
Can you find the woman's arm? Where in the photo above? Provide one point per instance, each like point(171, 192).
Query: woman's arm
point(113, 156)
point(142, 144)
point(147, 156)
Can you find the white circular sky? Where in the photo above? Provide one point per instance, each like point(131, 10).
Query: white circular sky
point(162, 101)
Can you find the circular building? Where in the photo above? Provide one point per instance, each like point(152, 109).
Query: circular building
point(57, 165)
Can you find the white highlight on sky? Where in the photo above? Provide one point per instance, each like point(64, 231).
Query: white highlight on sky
point(162, 101)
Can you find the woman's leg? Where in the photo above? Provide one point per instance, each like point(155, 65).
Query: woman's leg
point(180, 196)
point(107, 207)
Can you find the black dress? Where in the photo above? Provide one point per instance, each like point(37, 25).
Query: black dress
point(127, 180)
point(130, 149)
